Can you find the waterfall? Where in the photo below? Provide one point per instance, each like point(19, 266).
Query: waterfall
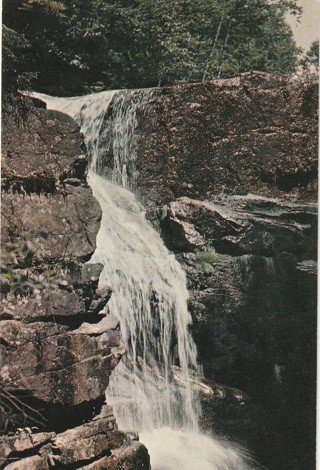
point(151, 389)
point(108, 121)
point(150, 299)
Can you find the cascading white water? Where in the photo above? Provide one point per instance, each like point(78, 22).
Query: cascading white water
point(106, 133)
point(149, 297)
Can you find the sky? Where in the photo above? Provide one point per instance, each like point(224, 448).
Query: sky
point(309, 28)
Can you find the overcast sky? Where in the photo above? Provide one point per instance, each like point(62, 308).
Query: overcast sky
point(309, 28)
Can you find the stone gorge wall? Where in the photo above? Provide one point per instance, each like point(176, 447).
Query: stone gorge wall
point(251, 270)
point(201, 150)
point(55, 363)
point(250, 261)
point(255, 133)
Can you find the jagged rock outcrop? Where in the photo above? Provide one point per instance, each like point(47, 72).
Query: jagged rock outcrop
point(239, 226)
point(228, 412)
point(56, 359)
point(93, 445)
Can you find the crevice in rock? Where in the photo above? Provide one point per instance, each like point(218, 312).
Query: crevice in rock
point(25, 410)
point(25, 185)
point(72, 322)
point(82, 463)
point(287, 181)
point(16, 455)
point(86, 258)
point(17, 405)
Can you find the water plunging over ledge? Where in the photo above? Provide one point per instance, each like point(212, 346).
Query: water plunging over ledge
point(149, 296)
point(150, 299)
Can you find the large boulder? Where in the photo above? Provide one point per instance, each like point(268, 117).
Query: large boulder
point(254, 133)
point(61, 368)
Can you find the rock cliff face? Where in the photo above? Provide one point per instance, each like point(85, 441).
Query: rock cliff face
point(203, 150)
point(255, 133)
point(55, 363)
point(251, 269)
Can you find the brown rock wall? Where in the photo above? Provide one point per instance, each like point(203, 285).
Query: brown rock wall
point(255, 133)
point(55, 358)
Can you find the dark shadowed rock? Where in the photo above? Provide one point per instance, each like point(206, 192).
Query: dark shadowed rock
point(229, 413)
point(238, 226)
point(252, 285)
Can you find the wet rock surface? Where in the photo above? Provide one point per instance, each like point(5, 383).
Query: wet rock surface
point(56, 358)
point(229, 413)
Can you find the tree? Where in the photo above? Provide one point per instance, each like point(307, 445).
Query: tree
point(79, 46)
point(42, 23)
point(15, 73)
point(310, 62)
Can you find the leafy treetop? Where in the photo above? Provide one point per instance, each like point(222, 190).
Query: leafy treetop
point(78, 46)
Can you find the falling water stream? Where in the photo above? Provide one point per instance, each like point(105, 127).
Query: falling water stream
point(151, 388)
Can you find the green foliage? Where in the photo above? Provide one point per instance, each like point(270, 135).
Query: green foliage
point(81, 46)
point(15, 76)
point(310, 62)
point(209, 257)
point(47, 7)
point(27, 287)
